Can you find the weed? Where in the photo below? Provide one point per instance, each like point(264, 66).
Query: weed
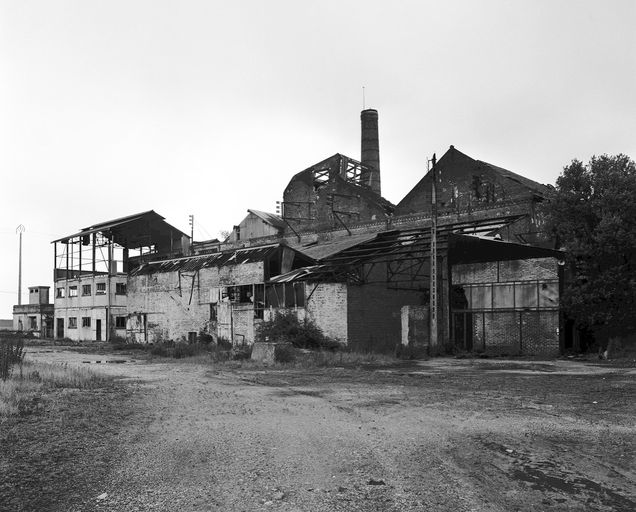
point(23, 395)
point(286, 327)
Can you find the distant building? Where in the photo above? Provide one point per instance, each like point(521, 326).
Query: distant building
point(36, 317)
point(6, 324)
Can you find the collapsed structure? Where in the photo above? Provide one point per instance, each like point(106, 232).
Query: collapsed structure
point(347, 258)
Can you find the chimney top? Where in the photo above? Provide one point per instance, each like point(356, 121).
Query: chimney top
point(370, 149)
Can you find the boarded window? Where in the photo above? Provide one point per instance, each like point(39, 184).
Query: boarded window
point(481, 297)
point(72, 322)
point(33, 322)
point(86, 321)
point(86, 289)
point(526, 295)
point(503, 296)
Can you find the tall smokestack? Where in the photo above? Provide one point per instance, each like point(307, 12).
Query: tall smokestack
point(370, 149)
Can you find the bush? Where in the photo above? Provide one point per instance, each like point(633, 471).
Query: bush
point(160, 349)
point(285, 327)
point(11, 353)
point(285, 354)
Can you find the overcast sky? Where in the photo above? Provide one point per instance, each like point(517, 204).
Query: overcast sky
point(109, 108)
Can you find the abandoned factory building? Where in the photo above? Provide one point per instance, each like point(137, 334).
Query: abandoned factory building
point(340, 254)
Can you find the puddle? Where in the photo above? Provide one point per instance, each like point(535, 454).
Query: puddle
point(548, 477)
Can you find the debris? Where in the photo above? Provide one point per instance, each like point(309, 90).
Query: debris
point(102, 496)
point(509, 450)
point(279, 495)
point(594, 402)
point(376, 482)
point(342, 489)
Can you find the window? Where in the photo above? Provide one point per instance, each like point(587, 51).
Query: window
point(288, 295)
point(72, 291)
point(33, 323)
point(86, 321)
point(86, 289)
point(101, 289)
point(120, 322)
point(120, 288)
point(60, 293)
point(72, 322)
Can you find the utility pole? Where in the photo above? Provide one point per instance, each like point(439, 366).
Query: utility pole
point(191, 221)
point(20, 229)
point(433, 272)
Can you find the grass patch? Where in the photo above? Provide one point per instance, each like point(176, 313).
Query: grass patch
point(22, 394)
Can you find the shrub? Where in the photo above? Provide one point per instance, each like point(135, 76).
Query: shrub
point(11, 353)
point(160, 349)
point(285, 327)
point(285, 354)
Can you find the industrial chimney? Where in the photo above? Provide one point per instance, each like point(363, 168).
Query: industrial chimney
point(370, 152)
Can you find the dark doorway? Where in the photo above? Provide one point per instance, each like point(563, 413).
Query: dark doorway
point(60, 328)
point(98, 330)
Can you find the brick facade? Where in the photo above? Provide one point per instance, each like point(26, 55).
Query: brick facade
point(512, 307)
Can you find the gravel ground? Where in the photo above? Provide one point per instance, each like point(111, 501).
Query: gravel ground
point(444, 434)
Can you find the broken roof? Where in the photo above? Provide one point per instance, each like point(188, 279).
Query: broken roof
point(132, 231)
point(321, 250)
point(348, 170)
point(464, 242)
point(218, 259)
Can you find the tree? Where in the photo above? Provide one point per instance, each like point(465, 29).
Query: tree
point(592, 213)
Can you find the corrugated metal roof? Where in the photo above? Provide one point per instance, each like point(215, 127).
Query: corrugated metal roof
point(270, 218)
point(321, 250)
point(219, 259)
point(122, 222)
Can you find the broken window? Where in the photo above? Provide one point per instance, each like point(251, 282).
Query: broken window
point(288, 295)
point(72, 291)
point(72, 322)
point(120, 322)
point(86, 289)
point(86, 321)
point(120, 288)
point(101, 289)
point(259, 300)
point(242, 294)
point(60, 293)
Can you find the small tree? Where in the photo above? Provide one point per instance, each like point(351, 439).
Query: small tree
point(592, 213)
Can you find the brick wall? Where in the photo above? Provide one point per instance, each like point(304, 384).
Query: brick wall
point(178, 303)
point(521, 330)
point(327, 308)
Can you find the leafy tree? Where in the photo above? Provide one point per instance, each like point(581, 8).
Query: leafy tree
point(592, 213)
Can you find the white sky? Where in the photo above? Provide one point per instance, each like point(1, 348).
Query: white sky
point(109, 108)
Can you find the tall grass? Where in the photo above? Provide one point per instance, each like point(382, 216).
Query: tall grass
point(22, 393)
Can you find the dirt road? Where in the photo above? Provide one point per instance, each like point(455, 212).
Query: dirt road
point(454, 435)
